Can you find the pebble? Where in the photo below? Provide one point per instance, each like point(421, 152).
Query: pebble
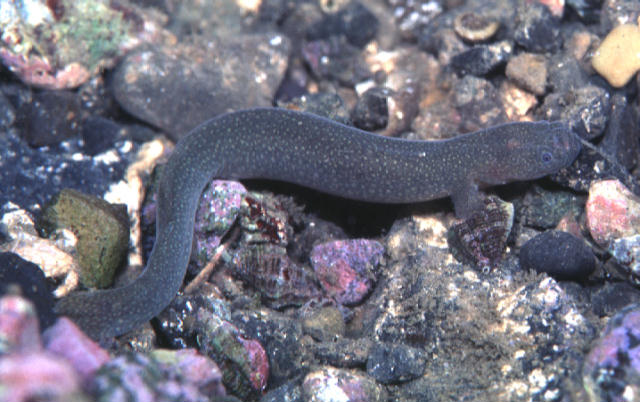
point(329, 384)
point(335, 59)
point(152, 83)
point(561, 255)
point(354, 21)
point(593, 165)
point(483, 59)
point(537, 30)
point(28, 377)
point(392, 364)
point(566, 74)
point(244, 362)
point(555, 6)
point(529, 70)
point(282, 339)
point(178, 323)
point(408, 75)
point(102, 230)
point(343, 352)
point(324, 324)
point(617, 58)
point(585, 109)
point(19, 329)
point(99, 134)
point(610, 298)
point(50, 118)
point(195, 368)
point(612, 367)
point(587, 11)
point(164, 376)
point(325, 104)
point(371, 111)
point(66, 340)
point(517, 101)
point(412, 17)
point(626, 251)
point(614, 13)
point(441, 41)
point(479, 102)
point(289, 392)
point(546, 208)
point(619, 138)
point(612, 212)
point(347, 269)
point(217, 210)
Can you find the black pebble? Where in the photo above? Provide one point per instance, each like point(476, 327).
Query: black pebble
point(612, 297)
point(538, 31)
point(621, 134)
point(99, 134)
point(482, 59)
point(29, 277)
point(390, 363)
point(587, 10)
point(354, 21)
point(372, 112)
point(50, 118)
point(560, 254)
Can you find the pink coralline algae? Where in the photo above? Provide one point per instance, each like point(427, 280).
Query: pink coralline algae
point(164, 376)
point(346, 269)
point(217, 210)
point(611, 371)
point(201, 371)
point(27, 377)
point(61, 44)
point(66, 340)
point(243, 361)
point(613, 212)
point(27, 371)
point(19, 328)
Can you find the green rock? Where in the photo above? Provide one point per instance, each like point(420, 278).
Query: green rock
point(102, 230)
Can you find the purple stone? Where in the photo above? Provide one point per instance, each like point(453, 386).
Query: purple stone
point(218, 209)
point(347, 268)
point(612, 368)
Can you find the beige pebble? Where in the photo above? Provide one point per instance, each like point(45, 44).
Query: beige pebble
point(618, 57)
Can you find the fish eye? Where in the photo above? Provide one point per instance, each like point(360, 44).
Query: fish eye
point(546, 157)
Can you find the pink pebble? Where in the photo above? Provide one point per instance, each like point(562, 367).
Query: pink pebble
point(555, 6)
point(19, 328)
point(201, 371)
point(258, 361)
point(66, 340)
point(346, 268)
point(612, 212)
point(34, 376)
